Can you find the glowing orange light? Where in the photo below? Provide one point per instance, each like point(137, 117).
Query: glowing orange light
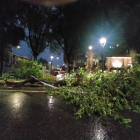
point(117, 64)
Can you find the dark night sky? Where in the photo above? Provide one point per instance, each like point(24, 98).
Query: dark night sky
point(25, 51)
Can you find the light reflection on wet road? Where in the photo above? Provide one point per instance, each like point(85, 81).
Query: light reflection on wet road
point(36, 116)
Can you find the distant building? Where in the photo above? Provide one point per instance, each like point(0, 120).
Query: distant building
point(118, 61)
point(92, 60)
point(82, 59)
point(11, 65)
point(13, 60)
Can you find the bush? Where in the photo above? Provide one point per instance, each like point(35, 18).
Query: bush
point(28, 68)
point(5, 75)
point(106, 94)
point(50, 77)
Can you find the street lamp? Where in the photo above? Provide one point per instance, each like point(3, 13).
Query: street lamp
point(51, 61)
point(57, 57)
point(103, 42)
point(18, 47)
point(90, 48)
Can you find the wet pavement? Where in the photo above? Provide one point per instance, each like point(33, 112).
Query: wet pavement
point(36, 116)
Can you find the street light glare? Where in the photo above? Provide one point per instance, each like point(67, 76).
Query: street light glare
point(90, 47)
point(51, 57)
point(18, 47)
point(103, 41)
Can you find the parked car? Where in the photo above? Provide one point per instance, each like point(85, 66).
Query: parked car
point(55, 73)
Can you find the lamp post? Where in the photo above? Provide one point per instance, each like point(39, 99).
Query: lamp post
point(89, 59)
point(103, 42)
point(12, 58)
point(18, 47)
point(51, 61)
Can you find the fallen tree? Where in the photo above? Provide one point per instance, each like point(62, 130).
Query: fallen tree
point(105, 94)
point(17, 84)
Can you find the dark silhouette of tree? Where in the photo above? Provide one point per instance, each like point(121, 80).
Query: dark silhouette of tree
point(69, 29)
point(43, 61)
point(10, 31)
point(36, 22)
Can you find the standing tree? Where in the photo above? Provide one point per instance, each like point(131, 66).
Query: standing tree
point(43, 61)
point(10, 31)
point(66, 30)
point(36, 22)
point(74, 27)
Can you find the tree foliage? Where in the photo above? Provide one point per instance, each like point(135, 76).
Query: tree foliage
point(90, 20)
point(10, 30)
point(71, 26)
point(37, 23)
point(28, 68)
point(43, 61)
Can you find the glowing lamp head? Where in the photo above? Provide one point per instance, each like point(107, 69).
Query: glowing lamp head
point(103, 41)
point(18, 47)
point(90, 47)
point(51, 57)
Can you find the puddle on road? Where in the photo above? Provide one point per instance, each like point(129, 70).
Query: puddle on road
point(51, 101)
point(96, 130)
point(99, 132)
point(16, 101)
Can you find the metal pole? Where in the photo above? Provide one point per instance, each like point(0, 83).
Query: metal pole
point(103, 59)
point(51, 65)
point(12, 58)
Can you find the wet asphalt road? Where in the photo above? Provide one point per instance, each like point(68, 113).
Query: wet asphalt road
point(36, 116)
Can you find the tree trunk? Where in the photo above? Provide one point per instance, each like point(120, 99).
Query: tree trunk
point(68, 64)
point(35, 57)
point(1, 66)
point(1, 56)
point(132, 54)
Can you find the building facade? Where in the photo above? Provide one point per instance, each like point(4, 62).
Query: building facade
point(84, 59)
point(118, 62)
point(13, 60)
point(12, 64)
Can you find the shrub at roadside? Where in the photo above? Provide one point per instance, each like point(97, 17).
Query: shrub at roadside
point(5, 75)
point(28, 68)
point(106, 94)
point(50, 77)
